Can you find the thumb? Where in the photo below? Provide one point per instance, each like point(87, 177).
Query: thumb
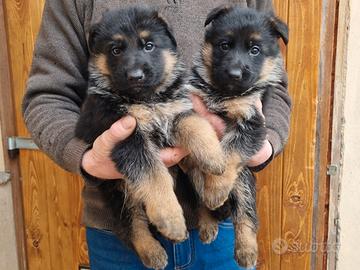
point(119, 131)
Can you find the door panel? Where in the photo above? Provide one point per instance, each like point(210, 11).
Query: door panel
point(52, 205)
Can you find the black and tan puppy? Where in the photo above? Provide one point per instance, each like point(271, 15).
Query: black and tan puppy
point(134, 70)
point(240, 62)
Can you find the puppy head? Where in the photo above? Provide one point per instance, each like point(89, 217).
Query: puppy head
point(239, 43)
point(134, 49)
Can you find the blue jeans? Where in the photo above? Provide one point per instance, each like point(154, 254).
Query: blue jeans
point(106, 252)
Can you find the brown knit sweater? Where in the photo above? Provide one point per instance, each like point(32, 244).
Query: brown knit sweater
point(58, 81)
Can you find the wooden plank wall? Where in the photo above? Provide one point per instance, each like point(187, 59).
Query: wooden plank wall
point(52, 205)
point(285, 189)
point(52, 208)
point(303, 65)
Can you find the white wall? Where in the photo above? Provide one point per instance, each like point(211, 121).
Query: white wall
point(8, 255)
point(349, 257)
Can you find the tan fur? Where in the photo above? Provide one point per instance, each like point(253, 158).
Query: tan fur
point(146, 115)
point(230, 34)
point(172, 108)
point(272, 70)
point(150, 251)
point(203, 62)
point(255, 36)
point(170, 61)
point(246, 248)
point(241, 107)
point(144, 34)
point(169, 64)
point(162, 207)
point(217, 187)
point(195, 134)
point(118, 37)
point(143, 114)
point(101, 64)
point(208, 226)
point(207, 51)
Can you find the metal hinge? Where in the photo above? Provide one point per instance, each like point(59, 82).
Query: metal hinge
point(332, 169)
point(16, 143)
point(4, 178)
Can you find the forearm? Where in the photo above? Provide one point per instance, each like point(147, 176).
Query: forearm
point(57, 84)
point(52, 128)
point(277, 110)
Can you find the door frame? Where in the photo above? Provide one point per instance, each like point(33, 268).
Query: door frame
point(7, 119)
point(324, 126)
point(337, 138)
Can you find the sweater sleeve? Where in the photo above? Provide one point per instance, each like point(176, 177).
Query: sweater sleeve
point(263, 5)
point(277, 109)
point(57, 83)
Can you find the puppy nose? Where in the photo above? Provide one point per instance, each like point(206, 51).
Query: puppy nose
point(235, 73)
point(135, 75)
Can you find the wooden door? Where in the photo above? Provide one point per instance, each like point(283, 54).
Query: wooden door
point(291, 191)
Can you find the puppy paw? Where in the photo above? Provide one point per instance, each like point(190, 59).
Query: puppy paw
point(246, 248)
point(169, 220)
point(208, 232)
point(154, 257)
point(216, 191)
point(172, 227)
point(246, 256)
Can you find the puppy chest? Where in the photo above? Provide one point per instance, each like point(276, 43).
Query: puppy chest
point(241, 107)
point(157, 120)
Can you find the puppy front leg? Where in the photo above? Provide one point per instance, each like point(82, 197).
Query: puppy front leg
point(195, 134)
point(150, 182)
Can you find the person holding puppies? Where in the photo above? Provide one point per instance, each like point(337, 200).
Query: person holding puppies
point(56, 90)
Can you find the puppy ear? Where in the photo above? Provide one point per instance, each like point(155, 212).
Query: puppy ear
point(168, 29)
point(217, 13)
point(93, 34)
point(280, 28)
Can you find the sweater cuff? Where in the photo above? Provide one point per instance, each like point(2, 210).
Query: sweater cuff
point(267, 162)
point(275, 141)
point(73, 154)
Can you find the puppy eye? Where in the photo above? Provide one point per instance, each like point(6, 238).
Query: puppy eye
point(254, 51)
point(149, 46)
point(115, 51)
point(225, 46)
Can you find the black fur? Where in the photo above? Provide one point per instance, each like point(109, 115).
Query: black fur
point(112, 95)
point(131, 49)
point(128, 76)
point(232, 28)
point(238, 44)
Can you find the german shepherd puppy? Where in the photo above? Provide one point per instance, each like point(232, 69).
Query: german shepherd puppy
point(134, 69)
point(240, 61)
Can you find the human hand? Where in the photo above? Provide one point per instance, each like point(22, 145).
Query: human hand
point(216, 121)
point(262, 156)
point(266, 151)
point(97, 161)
